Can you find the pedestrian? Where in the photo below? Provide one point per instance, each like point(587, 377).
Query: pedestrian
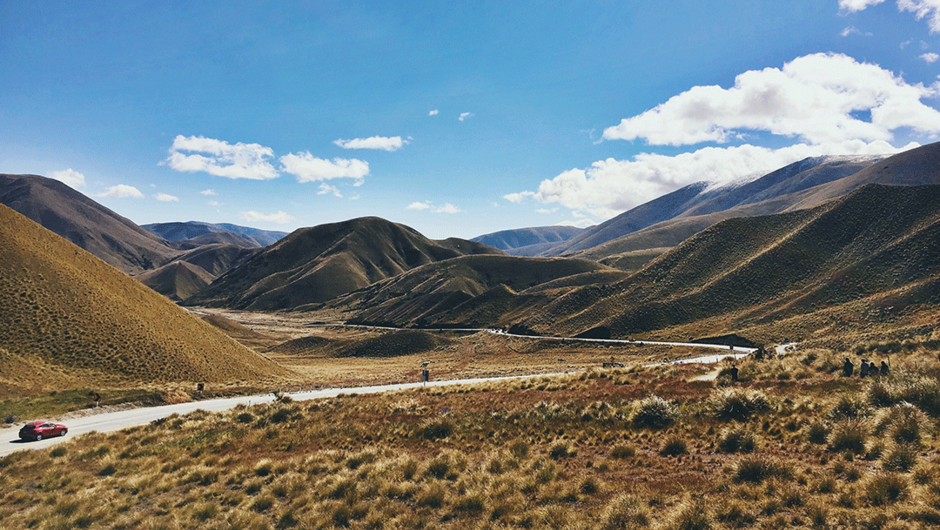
point(863, 369)
point(885, 369)
point(734, 373)
point(847, 368)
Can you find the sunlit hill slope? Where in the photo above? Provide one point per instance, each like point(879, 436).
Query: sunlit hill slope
point(65, 309)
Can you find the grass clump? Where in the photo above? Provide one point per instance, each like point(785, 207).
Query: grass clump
point(674, 445)
point(886, 488)
point(755, 470)
point(737, 440)
point(655, 412)
point(738, 403)
point(849, 435)
point(625, 512)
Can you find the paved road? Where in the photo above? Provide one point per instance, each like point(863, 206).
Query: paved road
point(113, 421)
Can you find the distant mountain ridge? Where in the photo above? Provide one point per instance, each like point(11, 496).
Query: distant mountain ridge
point(179, 231)
point(509, 240)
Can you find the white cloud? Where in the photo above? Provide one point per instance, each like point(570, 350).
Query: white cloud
point(69, 177)
point(214, 203)
point(812, 97)
point(279, 217)
point(208, 192)
point(930, 57)
point(905, 43)
point(326, 188)
point(433, 112)
point(308, 168)
point(165, 197)
point(583, 223)
point(219, 158)
point(852, 30)
point(546, 210)
point(611, 186)
point(465, 115)
point(122, 191)
point(929, 9)
point(375, 142)
point(852, 6)
point(427, 205)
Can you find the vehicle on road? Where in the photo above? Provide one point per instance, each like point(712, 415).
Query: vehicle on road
point(38, 430)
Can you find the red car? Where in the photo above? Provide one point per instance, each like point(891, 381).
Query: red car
point(38, 430)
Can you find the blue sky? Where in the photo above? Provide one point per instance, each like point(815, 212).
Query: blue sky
point(457, 119)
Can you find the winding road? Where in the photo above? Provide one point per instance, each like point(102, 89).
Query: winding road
point(113, 421)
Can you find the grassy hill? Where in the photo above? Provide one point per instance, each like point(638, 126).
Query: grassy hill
point(876, 242)
point(470, 290)
point(510, 240)
point(179, 231)
point(313, 265)
point(66, 311)
point(91, 226)
point(177, 280)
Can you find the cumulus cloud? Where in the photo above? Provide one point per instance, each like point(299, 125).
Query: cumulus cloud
point(852, 6)
point(465, 115)
point(815, 97)
point(930, 57)
point(447, 208)
point(219, 158)
point(308, 168)
point(279, 217)
point(929, 9)
point(418, 205)
point(611, 186)
point(166, 197)
point(375, 142)
point(123, 191)
point(69, 177)
point(433, 112)
point(214, 203)
point(208, 192)
point(852, 30)
point(326, 188)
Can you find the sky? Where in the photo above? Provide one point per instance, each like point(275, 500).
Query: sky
point(455, 118)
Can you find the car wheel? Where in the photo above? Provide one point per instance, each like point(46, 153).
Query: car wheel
point(38, 437)
point(63, 432)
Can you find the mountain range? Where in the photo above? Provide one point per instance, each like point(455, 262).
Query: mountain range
point(827, 246)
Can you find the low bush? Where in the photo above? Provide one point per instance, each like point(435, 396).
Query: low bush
point(737, 403)
point(438, 428)
point(902, 458)
point(625, 512)
point(655, 412)
point(623, 451)
point(817, 433)
point(674, 445)
point(754, 469)
point(737, 440)
point(848, 435)
point(693, 515)
point(886, 488)
point(847, 407)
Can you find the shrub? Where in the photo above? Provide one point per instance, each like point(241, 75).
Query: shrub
point(848, 435)
point(519, 449)
point(693, 515)
point(753, 469)
point(623, 451)
point(848, 406)
point(886, 488)
point(817, 433)
point(244, 417)
point(560, 450)
point(655, 412)
point(737, 440)
point(625, 512)
point(675, 445)
point(902, 423)
point(738, 403)
point(902, 458)
point(438, 428)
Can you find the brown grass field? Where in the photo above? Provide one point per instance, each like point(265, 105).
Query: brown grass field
point(792, 444)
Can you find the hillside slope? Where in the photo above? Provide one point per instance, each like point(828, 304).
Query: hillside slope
point(469, 290)
point(177, 280)
point(771, 193)
point(84, 222)
point(316, 264)
point(181, 231)
point(66, 309)
point(880, 241)
point(508, 240)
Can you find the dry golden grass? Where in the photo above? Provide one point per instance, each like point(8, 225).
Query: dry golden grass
point(67, 312)
point(545, 452)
